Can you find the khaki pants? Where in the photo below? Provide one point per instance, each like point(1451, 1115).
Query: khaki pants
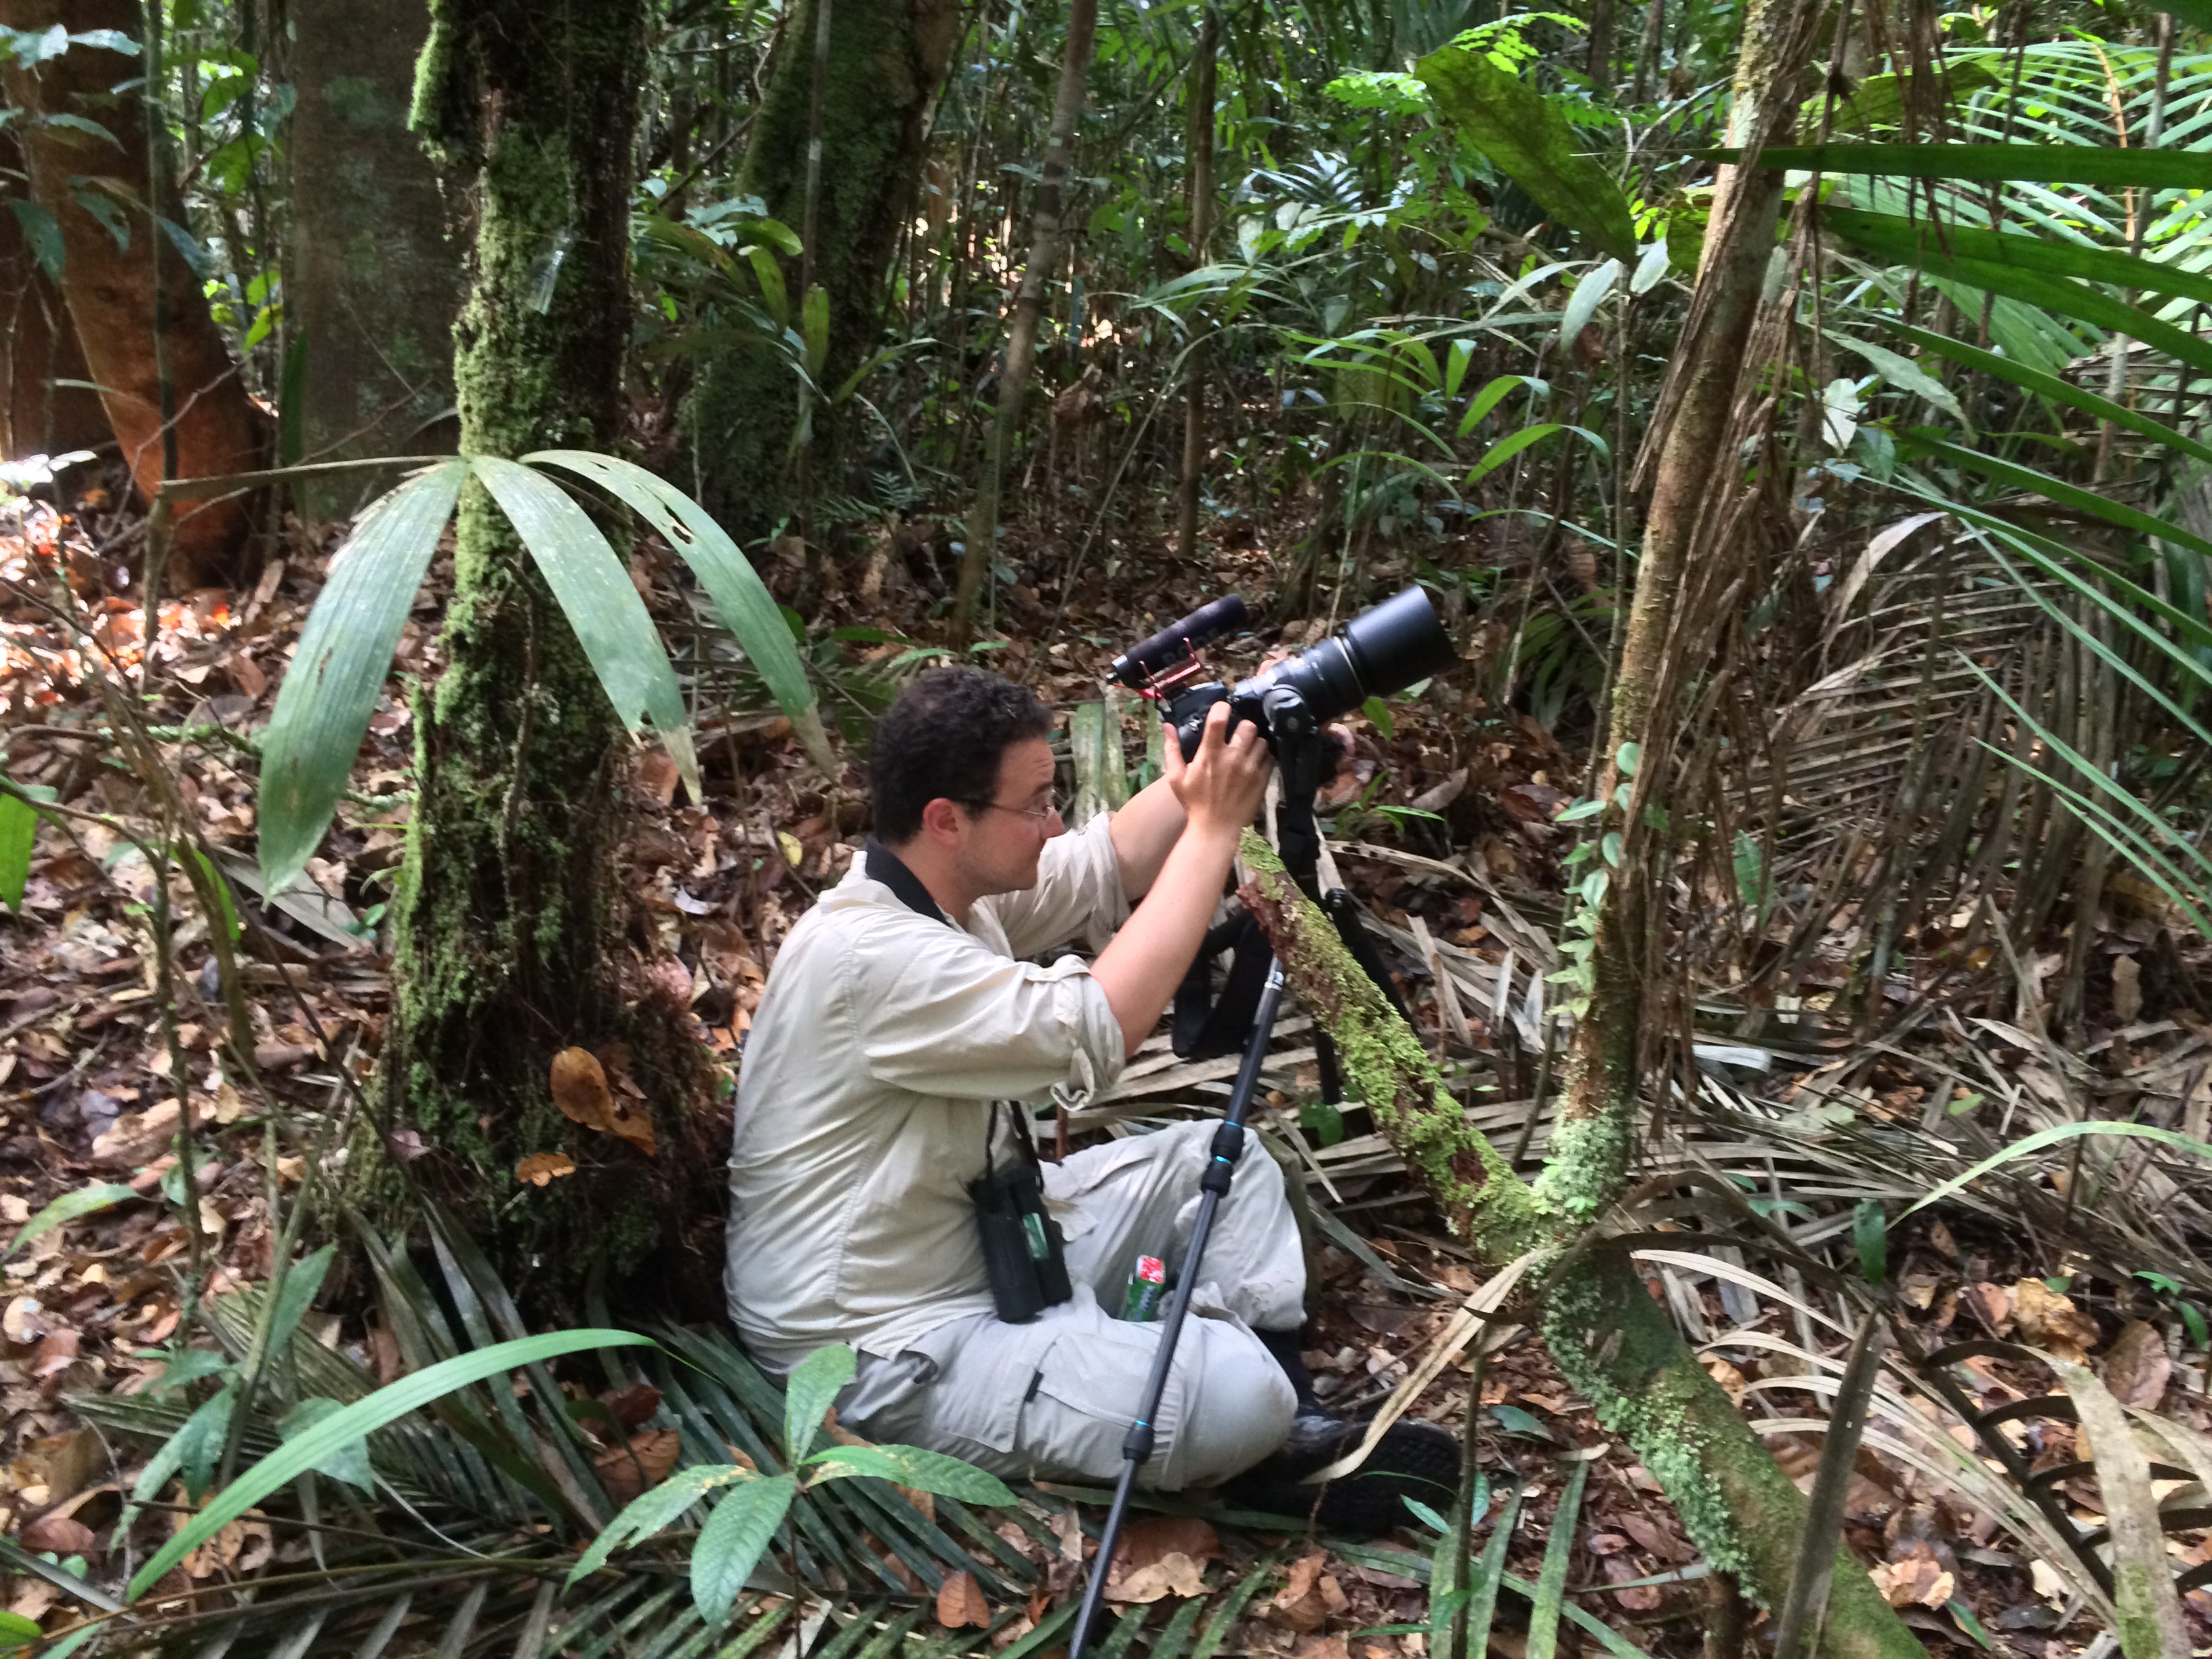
point(1052, 1398)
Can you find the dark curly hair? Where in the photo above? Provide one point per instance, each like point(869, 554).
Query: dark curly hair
point(943, 739)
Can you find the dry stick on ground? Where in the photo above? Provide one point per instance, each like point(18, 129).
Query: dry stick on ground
point(1607, 1336)
point(1045, 229)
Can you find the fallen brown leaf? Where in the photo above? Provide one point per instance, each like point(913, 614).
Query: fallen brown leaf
point(57, 1466)
point(63, 1534)
point(626, 1471)
point(2052, 1322)
point(2138, 1368)
point(1305, 1602)
point(541, 1168)
point(960, 1603)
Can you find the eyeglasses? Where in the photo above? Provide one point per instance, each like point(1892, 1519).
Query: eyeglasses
point(1042, 814)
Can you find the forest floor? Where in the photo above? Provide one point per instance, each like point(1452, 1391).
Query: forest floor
point(89, 1093)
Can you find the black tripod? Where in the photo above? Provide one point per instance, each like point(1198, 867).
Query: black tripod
point(1304, 760)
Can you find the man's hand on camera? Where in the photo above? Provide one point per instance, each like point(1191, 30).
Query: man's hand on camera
point(1220, 790)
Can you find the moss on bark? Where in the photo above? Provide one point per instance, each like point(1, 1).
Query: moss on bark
point(508, 889)
point(1609, 1338)
point(887, 59)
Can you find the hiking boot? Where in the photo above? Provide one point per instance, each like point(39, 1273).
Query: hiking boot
point(1412, 1460)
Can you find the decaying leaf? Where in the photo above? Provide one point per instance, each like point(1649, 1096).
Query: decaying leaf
point(626, 1470)
point(541, 1168)
point(960, 1603)
point(2138, 1367)
point(580, 1090)
point(1306, 1601)
point(2050, 1321)
point(1917, 1578)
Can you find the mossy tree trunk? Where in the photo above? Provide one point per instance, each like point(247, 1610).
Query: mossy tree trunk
point(508, 893)
point(886, 61)
point(1606, 1335)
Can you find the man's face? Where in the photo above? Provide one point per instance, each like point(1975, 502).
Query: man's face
point(1004, 840)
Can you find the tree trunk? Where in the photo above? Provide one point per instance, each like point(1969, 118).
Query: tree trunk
point(1608, 1335)
point(38, 347)
point(886, 59)
point(504, 956)
point(375, 280)
point(1201, 232)
point(1029, 312)
point(1602, 1074)
point(111, 290)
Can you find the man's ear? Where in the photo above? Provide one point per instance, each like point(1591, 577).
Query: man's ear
point(943, 819)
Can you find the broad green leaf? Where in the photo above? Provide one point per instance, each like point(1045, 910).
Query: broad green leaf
point(1651, 269)
point(2066, 494)
point(364, 1417)
point(731, 1542)
point(15, 1630)
point(654, 1507)
point(1880, 100)
point(741, 599)
point(2052, 1137)
point(1506, 447)
point(770, 275)
point(68, 1208)
point(350, 1463)
point(1525, 133)
point(595, 593)
point(198, 1440)
point(1489, 398)
point(19, 832)
point(1903, 374)
point(814, 325)
point(808, 1393)
point(912, 1465)
point(44, 233)
point(2058, 389)
point(345, 650)
point(1909, 241)
point(1583, 303)
point(2050, 164)
point(2072, 299)
point(1551, 1580)
point(1870, 1235)
point(300, 1284)
point(1482, 1597)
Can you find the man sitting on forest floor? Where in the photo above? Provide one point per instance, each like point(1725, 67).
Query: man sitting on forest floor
point(901, 1011)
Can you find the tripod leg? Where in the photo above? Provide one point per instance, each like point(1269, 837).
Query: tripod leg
point(1332, 1074)
point(1344, 910)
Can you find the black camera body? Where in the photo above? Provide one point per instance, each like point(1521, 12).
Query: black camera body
point(1378, 652)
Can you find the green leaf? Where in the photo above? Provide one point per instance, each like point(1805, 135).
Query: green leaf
point(1650, 270)
point(808, 1393)
point(1627, 758)
point(731, 1542)
point(1903, 374)
point(2050, 164)
point(770, 275)
point(595, 595)
point(2073, 299)
point(15, 1630)
point(1323, 1121)
point(1583, 303)
point(300, 1284)
point(741, 599)
point(43, 235)
point(654, 1507)
point(68, 1208)
point(1579, 810)
point(913, 1465)
point(1379, 716)
point(19, 832)
point(1552, 1580)
point(187, 1367)
point(345, 650)
point(1527, 135)
point(364, 1417)
point(2052, 1137)
point(350, 1463)
point(1911, 241)
point(1383, 89)
point(1973, 1627)
point(1487, 399)
point(1516, 1419)
point(1506, 448)
point(2056, 388)
point(1482, 1598)
point(1881, 99)
point(1870, 1234)
point(2066, 494)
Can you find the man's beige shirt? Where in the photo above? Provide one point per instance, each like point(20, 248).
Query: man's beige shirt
point(866, 1093)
